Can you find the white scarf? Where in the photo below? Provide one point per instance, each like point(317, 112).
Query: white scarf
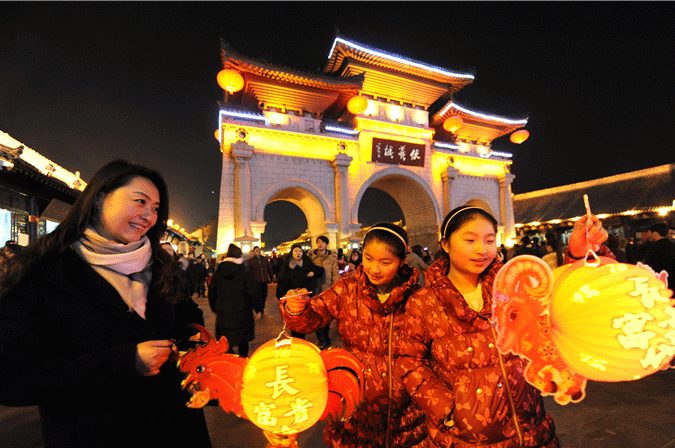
point(127, 267)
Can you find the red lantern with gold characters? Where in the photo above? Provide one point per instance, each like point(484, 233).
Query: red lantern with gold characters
point(520, 136)
point(357, 104)
point(452, 124)
point(230, 80)
point(285, 386)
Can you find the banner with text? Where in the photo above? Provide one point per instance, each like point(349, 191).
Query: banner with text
point(398, 153)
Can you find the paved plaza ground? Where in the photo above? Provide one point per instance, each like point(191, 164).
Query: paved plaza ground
point(638, 414)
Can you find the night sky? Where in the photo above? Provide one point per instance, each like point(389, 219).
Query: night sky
point(83, 83)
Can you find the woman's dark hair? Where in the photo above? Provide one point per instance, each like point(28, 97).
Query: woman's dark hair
point(417, 250)
point(390, 234)
point(109, 177)
point(234, 251)
point(306, 261)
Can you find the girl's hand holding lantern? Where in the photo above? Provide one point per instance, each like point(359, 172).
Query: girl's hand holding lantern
point(588, 233)
point(296, 300)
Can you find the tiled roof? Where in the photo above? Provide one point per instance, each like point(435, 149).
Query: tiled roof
point(232, 58)
point(646, 190)
point(477, 125)
point(344, 48)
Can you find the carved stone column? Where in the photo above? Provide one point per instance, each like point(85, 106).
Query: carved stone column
point(506, 205)
point(447, 177)
point(341, 166)
point(258, 228)
point(241, 152)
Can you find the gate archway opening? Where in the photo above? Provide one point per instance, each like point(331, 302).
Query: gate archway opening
point(420, 216)
point(378, 205)
point(285, 221)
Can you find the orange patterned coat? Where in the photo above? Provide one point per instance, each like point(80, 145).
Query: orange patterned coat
point(365, 326)
point(452, 369)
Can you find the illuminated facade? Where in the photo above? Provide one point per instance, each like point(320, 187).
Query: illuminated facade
point(35, 192)
point(290, 135)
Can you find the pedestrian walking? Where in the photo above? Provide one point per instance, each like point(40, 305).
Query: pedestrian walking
point(234, 295)
point(322, 256)
point(260, 266)
point(298, 272)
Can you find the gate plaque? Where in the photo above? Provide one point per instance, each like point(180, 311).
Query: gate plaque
point(398, 153)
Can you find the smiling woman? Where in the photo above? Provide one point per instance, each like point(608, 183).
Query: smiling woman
point(92, 309)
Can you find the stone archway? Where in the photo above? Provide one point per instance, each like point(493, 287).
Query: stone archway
point(316, 208)
point(416, 200)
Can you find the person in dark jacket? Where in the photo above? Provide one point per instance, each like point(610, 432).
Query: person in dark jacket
point(88, 316)
point(260, 266)
point(660, 254)
point(233, 295)
point(297, 272)
point(197, 272)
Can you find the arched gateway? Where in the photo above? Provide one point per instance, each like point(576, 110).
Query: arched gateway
point(295, 136)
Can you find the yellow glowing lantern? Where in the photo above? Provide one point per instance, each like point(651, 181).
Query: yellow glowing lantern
point(230, 80)
point(357, 104)
point(612, 322)
point(285, 386)
point(217, 134)
point(452, 124)
point(520, 136)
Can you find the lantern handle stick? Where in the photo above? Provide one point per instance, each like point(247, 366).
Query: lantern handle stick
point(595, 261)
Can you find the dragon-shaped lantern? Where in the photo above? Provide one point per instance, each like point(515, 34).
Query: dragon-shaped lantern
point(599, 320)
point(286, 386)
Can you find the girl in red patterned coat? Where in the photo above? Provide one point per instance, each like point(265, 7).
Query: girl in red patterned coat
point(450, 365)
point(369, 307)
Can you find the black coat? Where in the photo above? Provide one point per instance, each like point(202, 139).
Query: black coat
point(233, 294)
point(294, 278)
point(68, 343)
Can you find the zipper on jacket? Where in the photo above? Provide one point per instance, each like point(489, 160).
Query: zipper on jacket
point(508, 388)
point(391, 381)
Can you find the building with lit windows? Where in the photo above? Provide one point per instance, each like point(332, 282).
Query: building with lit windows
point(628, 203)
point(35, 192)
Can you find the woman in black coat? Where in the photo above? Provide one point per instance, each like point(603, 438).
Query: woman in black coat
point(233, 294)
point(298, 271)
point(88, 315)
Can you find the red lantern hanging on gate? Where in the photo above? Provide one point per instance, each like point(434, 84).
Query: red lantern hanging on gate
point(357, 104)
point(230, 80)
point(452, 124)
point(520, 136)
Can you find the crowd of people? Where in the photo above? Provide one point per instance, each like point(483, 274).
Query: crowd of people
point(655, 247)
point(98, 307)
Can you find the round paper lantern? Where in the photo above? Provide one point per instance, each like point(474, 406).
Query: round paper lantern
point(357, 104)
point(453, 123)
point(520, 136)
point(217, 134)
point(612, 322)
point(230, 80)
point(285, 386)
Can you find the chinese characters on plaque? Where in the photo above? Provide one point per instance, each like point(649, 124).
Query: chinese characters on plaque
point(398, 153)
